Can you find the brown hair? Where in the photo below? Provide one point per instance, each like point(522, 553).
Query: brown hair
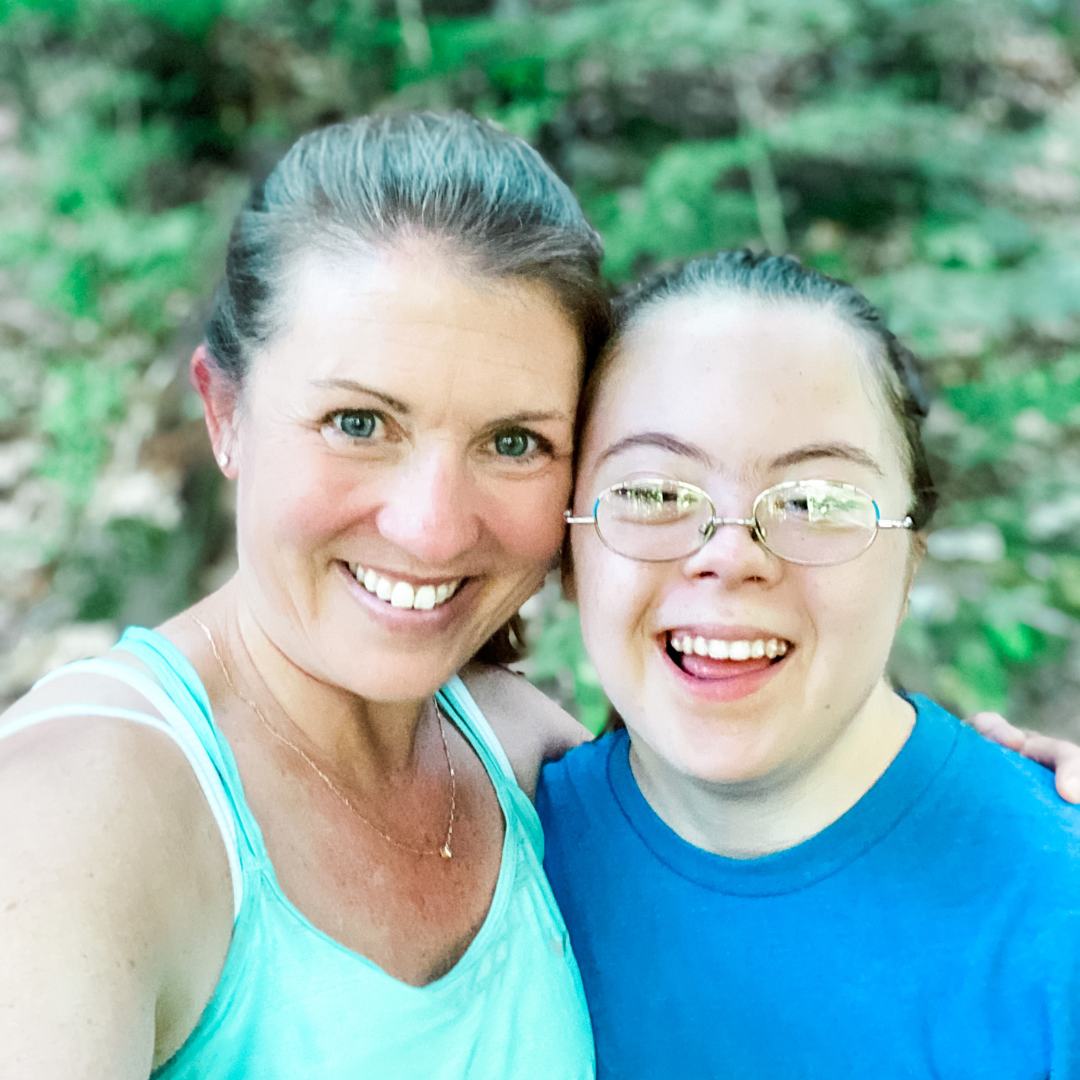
point(484, 193)
point(780, 278)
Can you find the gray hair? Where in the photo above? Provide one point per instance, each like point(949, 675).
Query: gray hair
point(485, 194)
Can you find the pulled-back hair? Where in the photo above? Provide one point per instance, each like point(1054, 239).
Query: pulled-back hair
point(484, 195)
point(783, 279)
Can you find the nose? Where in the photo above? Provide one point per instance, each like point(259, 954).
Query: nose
point(429, 509)
point(733, 555)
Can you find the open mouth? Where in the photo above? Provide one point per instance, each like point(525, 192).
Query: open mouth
point(405, 594)
point(721, 658)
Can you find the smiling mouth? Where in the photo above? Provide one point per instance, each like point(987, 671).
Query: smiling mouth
point(404, 594)
point(722, 657)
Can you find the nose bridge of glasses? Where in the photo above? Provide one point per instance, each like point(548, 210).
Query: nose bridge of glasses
point(709, 528)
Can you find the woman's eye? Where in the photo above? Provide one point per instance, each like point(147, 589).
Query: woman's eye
point(515, 444)
point(357, 425)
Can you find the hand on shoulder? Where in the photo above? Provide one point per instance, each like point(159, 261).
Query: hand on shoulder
point(115, 898)
point(530, 726)
point(1057, 754)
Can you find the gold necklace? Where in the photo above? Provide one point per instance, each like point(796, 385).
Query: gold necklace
point(444, 851)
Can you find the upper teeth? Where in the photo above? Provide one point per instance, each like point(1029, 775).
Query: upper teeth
point(719, 649)
point(401, 594)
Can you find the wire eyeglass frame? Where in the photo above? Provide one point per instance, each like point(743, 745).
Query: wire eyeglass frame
point(821, 489)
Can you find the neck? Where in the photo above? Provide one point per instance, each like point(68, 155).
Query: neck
point(749, 818)
point(371, 741)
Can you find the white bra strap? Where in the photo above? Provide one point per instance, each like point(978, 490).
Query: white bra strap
point(185, 739)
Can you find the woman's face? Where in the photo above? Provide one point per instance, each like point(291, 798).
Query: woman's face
point(734, 397)
point(403, 451)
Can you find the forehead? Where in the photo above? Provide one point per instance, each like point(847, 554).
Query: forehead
point(744, 379)
point(413, 316)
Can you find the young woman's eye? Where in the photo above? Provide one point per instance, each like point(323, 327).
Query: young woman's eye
point(516, 443)
point(357, 425)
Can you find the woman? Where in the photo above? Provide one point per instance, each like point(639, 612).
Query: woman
point(782, 867)
point(337, 874)
point(262, 841)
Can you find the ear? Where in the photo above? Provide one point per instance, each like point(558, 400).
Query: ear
point(220, 398)
point(915, 557)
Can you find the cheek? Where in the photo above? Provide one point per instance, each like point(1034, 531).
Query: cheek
point(525, 517)
point(613, 597)
point(308, 494)
point(857, 605)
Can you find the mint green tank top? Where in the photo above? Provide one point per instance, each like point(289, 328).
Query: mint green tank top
point(292, 1002)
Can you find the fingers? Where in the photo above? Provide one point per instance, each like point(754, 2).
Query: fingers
point(1057, 754)
point(996, 728)
point(1061, 756)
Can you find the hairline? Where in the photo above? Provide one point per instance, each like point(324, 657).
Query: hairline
point(875, 372)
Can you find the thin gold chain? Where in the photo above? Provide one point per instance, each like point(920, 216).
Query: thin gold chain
point(444, 851)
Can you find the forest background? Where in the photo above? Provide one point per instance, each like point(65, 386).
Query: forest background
point(928, 151)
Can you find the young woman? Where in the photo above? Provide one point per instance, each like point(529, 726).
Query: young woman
point(783, 867)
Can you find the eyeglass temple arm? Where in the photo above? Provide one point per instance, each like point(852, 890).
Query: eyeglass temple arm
point(907, 523)
point(578, 520)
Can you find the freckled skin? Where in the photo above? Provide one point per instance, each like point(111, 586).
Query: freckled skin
point(430, 367)
point(747, 384)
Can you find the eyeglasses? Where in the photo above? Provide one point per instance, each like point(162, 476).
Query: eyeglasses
point(810, 522)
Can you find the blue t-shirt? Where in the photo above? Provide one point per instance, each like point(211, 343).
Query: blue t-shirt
point(932, 931)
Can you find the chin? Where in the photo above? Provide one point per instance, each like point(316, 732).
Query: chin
point(398, 683)
point(376, 674)
point(739, 754)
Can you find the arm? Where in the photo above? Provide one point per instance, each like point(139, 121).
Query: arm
point(1057, 754)
point(530, 726)
point(115, 910)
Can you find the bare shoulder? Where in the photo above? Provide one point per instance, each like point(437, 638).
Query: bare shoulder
point(115, 899)
point(530, 726)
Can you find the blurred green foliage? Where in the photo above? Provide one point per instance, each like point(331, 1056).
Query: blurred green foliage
point(929, 151)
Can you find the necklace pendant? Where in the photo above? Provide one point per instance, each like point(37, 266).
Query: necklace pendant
point(446, 853)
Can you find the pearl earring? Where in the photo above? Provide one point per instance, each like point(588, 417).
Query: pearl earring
point(223, 459)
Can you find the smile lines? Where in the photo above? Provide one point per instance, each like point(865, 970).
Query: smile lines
point(401, 594)
point(719, 649)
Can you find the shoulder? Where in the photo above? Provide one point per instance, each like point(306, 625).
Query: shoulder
point(1007, 800)
point(530, 726)
point(112, 868)
point(98, 788)
point(572, 787)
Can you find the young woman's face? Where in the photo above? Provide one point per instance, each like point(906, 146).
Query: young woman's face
point(403, 454)
point(735, 397)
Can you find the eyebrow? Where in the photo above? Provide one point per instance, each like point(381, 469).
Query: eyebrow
point(401, 407)
point(663, 442)
point(531, 417)
point(359, 388)
point(840, 450)
point(843, 451)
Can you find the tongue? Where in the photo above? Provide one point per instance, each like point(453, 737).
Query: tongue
point(704, 667)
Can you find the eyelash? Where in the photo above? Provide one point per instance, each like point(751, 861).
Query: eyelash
point(541, 447)
point(337, 419)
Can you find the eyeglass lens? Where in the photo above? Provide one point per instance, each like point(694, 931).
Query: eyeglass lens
point(653, 520)
point(814, 522)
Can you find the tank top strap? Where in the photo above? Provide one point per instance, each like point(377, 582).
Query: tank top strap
point(173, 723)
point(462, 709)
point(182, 686)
